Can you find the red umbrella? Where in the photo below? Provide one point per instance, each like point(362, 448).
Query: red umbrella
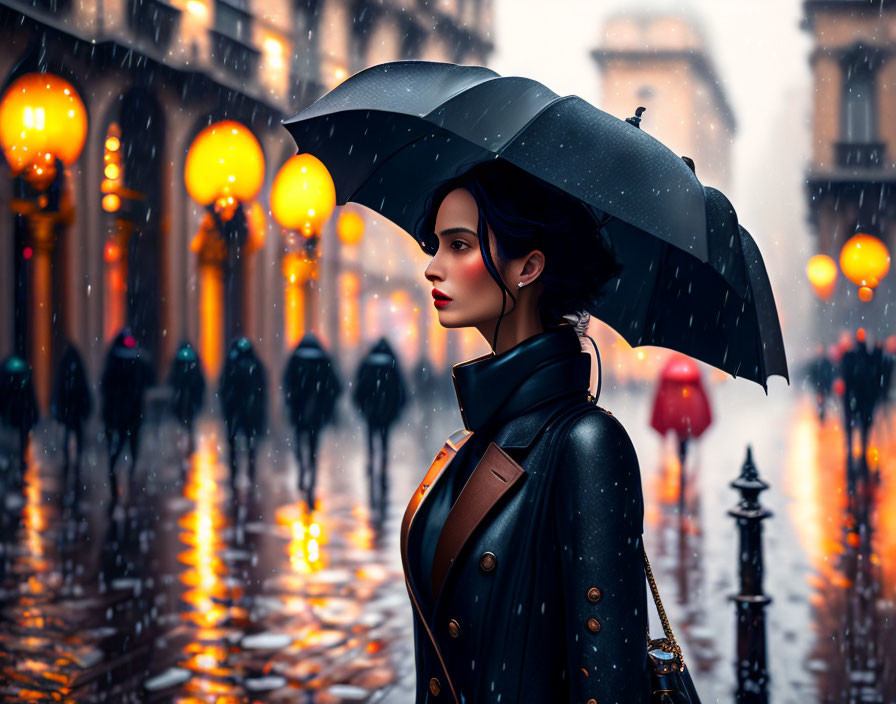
point(681, 403)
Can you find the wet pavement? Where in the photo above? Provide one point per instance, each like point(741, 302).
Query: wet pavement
point(183, 595)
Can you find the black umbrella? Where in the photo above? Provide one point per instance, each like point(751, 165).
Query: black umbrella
point(390, 134)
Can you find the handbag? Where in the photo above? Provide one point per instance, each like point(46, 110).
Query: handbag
point(670, 680)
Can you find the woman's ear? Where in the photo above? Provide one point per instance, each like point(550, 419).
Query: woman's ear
point(532, 267)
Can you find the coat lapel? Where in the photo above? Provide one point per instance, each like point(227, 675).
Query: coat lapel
point(436, 471)
point(493, 477)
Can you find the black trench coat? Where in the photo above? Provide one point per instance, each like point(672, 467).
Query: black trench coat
point(536, 591)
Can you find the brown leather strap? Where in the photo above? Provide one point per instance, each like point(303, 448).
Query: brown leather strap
point(493, 476)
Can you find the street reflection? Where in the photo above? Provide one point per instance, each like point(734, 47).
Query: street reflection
point(208, 596)
point(851, 545)
point(190, 594)
point(679, 557)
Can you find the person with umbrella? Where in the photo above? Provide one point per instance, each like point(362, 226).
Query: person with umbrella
point(310, 387)
point(188, 389)
point(682, 406)
point(522, 547)
point(18, 405)
point(126, 377)
point(380, 395)
point(71, 405)
point(244, 400)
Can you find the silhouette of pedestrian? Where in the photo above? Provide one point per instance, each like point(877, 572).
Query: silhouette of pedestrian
point(71, 406)
point(188, 389)
point(126, 377)
point(863, 372)
point(820, 373)
point(18, 406)
point(380, 394)
point(310, 387)
point(244, 400)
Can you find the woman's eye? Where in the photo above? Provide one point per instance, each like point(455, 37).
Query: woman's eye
point(459, 242)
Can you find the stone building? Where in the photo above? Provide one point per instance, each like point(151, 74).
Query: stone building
point(152, 75)
point(661, 61)
point(852, 170)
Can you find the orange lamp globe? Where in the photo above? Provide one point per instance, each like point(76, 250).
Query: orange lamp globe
point(41, 117)
point(350, 227)
point(822, 273)
point(303, 195)
point(224, 159)
point(864, 260)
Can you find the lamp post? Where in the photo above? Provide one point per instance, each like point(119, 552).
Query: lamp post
point(350, 231)
point(43, 126)
point(302, 199)
point(224, 171)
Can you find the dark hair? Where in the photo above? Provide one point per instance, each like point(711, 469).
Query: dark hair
point(526, 214)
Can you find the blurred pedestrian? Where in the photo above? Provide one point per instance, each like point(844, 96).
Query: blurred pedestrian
point(820, 372)
point(126, 377)
point(310, 387)
point(864, 373)
point(244, 400)
point(380, 394)
point(18, 408)
point(71, 406)
point(187, 389)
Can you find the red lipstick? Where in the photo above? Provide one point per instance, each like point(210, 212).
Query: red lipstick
point(440, 298)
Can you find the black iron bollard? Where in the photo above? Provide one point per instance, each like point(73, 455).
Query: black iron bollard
point(751, 665)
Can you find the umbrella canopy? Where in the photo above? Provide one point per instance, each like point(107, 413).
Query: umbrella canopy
point(681, 403)
point(393, 132)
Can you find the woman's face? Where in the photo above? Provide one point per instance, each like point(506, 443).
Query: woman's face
point(458, 271)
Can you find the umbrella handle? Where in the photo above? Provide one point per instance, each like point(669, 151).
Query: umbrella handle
point(597, 352)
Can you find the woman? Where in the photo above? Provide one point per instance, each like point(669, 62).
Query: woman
point(521, 547)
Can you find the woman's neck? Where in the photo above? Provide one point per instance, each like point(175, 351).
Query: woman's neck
point(511, 332)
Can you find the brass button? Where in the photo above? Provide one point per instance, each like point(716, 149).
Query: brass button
point(593, 625)
point(434, 687)
point(594, 595)
point(454, 628)
point(591, 701)
point(488, 561)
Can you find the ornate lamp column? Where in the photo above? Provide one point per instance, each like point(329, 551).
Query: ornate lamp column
point(302, 199)
point(43, 125)
point(224, 171)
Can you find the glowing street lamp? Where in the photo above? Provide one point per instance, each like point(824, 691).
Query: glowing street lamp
point(302, 199)
point(822, 273)
point(43, 125)
point(350, 227)
point(865, 261)
point(224, 170)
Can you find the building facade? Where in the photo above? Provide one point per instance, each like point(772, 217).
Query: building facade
point(152, 75)
point(852, 171)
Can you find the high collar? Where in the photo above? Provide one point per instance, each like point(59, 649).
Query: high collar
point(495, 388)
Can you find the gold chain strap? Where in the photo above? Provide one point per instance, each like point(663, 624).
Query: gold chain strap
point(667, 629)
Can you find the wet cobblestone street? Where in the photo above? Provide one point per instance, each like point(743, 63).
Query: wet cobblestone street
point(183, 595)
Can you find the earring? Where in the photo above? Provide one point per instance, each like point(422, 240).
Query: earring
point(520, 284)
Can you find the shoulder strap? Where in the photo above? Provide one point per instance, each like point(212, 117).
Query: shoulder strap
point(667, 629)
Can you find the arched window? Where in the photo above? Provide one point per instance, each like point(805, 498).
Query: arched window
point(858, 99)
point(858, 111)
